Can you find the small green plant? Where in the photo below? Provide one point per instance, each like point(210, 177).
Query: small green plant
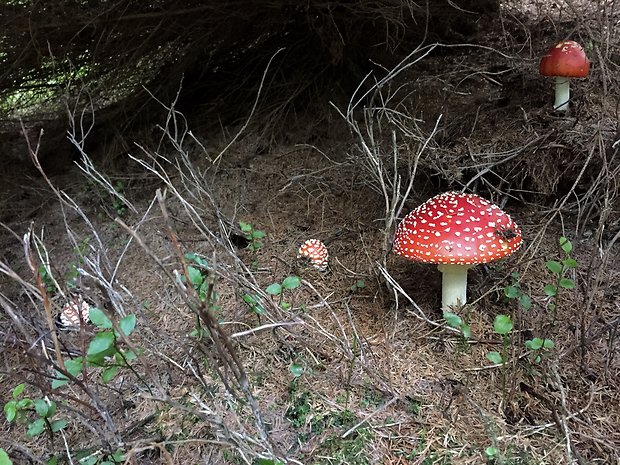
point(456, 322)
point(254, 236)
point(503, 326)
point(492, 453)
point(298, 412)
point(103, 351)
point(357, 285)
point(540, 347)
point(513, 292)
point(277, 289)
point(37, 414)
point(559, 269)
point(199, 276)
point(117, 203)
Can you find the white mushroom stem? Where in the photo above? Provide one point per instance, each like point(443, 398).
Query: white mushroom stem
point(562, 93)
point(453, 285)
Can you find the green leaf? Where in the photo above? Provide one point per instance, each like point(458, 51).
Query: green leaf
point(118, 456)
point(108, 374)
point(511, 292)
point(102, 343)
point(23, 404)
point(249, 299)
point(296, 369)
point(192, 257)
point(494, 357)
point(360, 284)
point(74, 366)
point(534, 344)
point(554, 266)
point(285, 306)
point(128, 324)
point(502, 324)
point(566, 245)
point(258, 309)
point(195, 276)
point(4, 458)
point(57, 425)
point(291, 282)
point(452, 319)
point(10, 410)
point(41, 407)
point(569, 263)
point(525, 301)
point(59, 381)
point(35, 428)
point(245, 227)
point(17, 390)
point(274, 289)
point(258, 234)
point(551, 290)
point(548, 344)
point(491, 451)
point(466, 330)
point(567, 283)
point(99, 319)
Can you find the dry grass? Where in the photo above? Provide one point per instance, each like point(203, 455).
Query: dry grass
point(384, 379)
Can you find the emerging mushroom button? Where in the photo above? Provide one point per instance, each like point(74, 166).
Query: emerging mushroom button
point(316, 252)
point(456, 231)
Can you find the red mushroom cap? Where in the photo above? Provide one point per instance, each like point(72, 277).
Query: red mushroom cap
point(316, 252)
point(566, 59)
point(70, 315)
point(454, 228)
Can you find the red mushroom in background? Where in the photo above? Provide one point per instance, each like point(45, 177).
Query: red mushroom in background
point(316, 252)
point(456, 231)
point(564, 61)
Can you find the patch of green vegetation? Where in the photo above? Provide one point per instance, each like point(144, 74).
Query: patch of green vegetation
point(37, 414)
point(346, 451)
point(254, 236)
point(103, 351)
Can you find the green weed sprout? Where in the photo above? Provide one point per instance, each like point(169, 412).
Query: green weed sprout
point(503, 326)
point(540, 347)
point(456, 322)
point(37, 414)
point(255, 236)
point(559, 268)
point(277, 289)
point(513, 292)
point(357, 285)
point(103, 350)
point(200, 279)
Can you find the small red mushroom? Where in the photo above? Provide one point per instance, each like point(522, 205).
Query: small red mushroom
point(316, 252)
point(564, 61)
point(73, 311)
point(456, 231)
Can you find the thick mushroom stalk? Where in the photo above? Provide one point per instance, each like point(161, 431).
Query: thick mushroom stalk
point(562, 93)
point(453, 285)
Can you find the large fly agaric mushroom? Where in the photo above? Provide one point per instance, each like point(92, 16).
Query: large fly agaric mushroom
point(456, 231)
point(564, 61)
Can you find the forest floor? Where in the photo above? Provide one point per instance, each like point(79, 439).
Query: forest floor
point(353, 365)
